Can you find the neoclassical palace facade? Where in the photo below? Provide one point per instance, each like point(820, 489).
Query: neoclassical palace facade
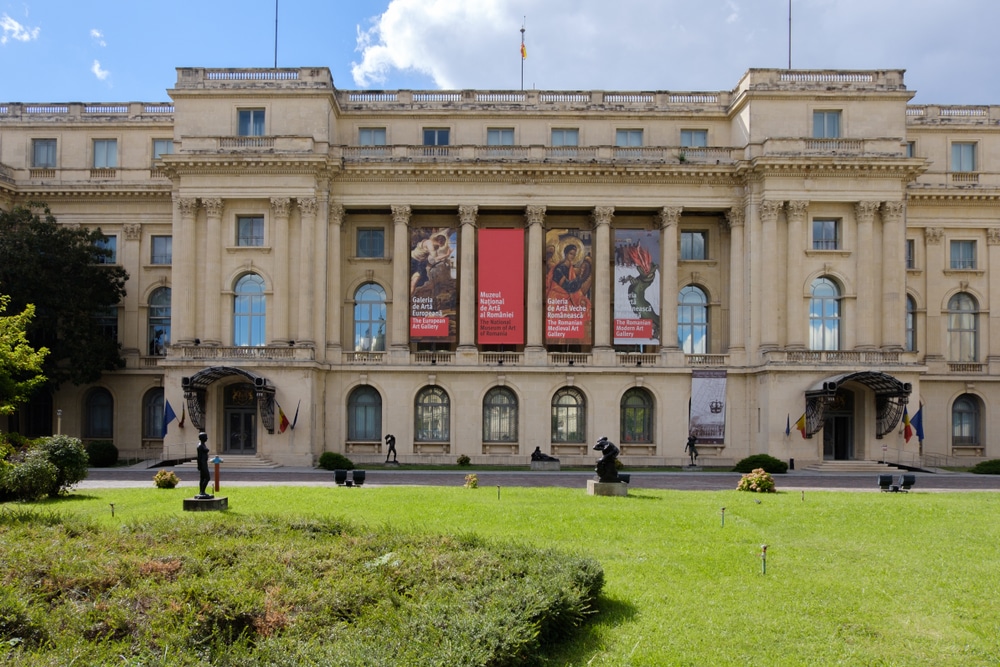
point(796, 266)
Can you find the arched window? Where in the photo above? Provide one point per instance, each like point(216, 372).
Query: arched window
point(432, 416)
point(364, 414)
point(963, 328)
point(500, 415)
point(824, 315)
point(369, 318)
point(98, 414)
point(965, 421)
point(569, 416)
point(692, 320)
point(152, 414)
point(249, 312)
point(911, 324)
point(159, 321)
point(637, 416)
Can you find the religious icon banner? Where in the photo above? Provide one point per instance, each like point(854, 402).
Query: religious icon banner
point(708, 406)
point(569, 279)
point(637, 287)
point(433, 285)
point(500, 267)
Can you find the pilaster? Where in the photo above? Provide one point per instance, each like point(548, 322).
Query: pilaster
point(669, 219)
point(865, 304)
point(893, 276)
point(935, 348)
point(602, 216)
point(796, 323)
point(736, 216)
point(769, 211)
point(211, 313)
point(184, 296)
point(280, 290)
point(467, 352)
point(535, 220)
point(401, 281)
point(307, 279)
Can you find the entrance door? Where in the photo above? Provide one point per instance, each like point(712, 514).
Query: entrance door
point(241, 419)
point(838, 428)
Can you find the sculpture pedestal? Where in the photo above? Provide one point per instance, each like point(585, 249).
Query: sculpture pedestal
point(206, 504)
point(595, 488)
point(545, 465)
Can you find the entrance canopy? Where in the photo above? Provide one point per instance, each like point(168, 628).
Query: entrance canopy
point(194, 391)
point(891, 397)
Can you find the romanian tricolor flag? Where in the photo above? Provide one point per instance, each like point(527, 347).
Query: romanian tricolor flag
point(907, 429)
point(282, 419)
point(524, 51)
point(800, 424)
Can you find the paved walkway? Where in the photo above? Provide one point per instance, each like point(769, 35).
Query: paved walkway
point(689, 481)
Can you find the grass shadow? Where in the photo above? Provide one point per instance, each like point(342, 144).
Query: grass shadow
point(591, 639)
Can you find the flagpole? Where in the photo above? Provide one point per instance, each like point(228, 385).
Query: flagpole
point(276, 34)
point(522, 52)
point(789, 34)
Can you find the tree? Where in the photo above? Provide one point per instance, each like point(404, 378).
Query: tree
point(57, 268)
point(20, 365)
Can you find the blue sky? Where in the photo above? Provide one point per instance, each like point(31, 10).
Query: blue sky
point(127, 50)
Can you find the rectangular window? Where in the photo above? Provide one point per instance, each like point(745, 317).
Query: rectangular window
point(694, 245)
point(911, 149)
point(251, 123)
point(963, 156)
point(826, 124)
point(107, 323)
point(110, 245)
point(436, 136)
point(105, 153)
point(250, 230)
point(826, 234)
point(162, 147)
point(628, 138)
point(911, 260)
point(371, 136)
point(694, 138)
point(163, 250)
point(43, 153)
point(963, 255)
point(565, 137)
point(371, 242)
point(500, 136)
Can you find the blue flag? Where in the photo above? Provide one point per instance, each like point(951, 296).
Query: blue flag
point(917, 422)
point(788, 425)
point(168, 416)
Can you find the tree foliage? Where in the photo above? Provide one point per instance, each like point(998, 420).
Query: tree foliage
point(20, 364)
point(56, 268)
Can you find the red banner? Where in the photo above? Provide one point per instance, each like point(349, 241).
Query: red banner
point(501, 287)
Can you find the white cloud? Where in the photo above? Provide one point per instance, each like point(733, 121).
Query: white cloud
point(14, 30)
point(101, 74)
point(98, 36)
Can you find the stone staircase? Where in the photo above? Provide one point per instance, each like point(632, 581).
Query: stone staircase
point(859, 466)
point(233, 462)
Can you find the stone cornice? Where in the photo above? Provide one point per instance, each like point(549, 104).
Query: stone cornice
point(953, 197)
point(842, 168)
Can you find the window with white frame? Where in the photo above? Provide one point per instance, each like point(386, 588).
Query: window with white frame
point(963, 254)
point(161, 250)
point(694, 245)
point(826, 234)
point(911, 324)
point(694, 138)
point(43, 153)
point(628, 138)
point(963, 156)
point(369, 318)
point(371, 136)
point(500, 136)
point(105, 153)
point(963, 328)
point(911, 149)
point(250, 123)
point(249, 230)
point(162, 147)
point(437, 136)
point(692, 320)
point(567, 136)
point(249, 311)
point(826, 124)
point(824, 315)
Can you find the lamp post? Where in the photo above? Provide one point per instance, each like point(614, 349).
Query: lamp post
point(59, 421)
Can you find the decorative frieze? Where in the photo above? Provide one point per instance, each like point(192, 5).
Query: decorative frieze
point(933, 235)
point(132, 231)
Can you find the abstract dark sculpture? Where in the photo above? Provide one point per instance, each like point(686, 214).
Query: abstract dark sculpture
point(606, 469)
point(390, 443)
point(204, 475)
point(690, 447)
point(539, 455)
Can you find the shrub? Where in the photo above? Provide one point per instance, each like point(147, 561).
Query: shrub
point(102, 453)
point(31, 478)
point(759, 481)
point(69, 458)
point(764, 461)
point(166, 479)
point(471, 481)
point(991, 467)
point(335, 461)
point(464, 460)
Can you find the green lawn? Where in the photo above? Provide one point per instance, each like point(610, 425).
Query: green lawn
point(851, 578)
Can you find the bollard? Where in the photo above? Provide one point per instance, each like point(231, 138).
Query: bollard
point(217, 460)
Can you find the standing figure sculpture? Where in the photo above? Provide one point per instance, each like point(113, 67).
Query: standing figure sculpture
point(606, 469)
point(693, 451)
point(390, 443)
point(204, 475)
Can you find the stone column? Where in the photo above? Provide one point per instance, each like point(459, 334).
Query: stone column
point(669, 218)
point(601, 288)
point(535, 218)
point(737, 281)
point(212, 289)
point(307, 277)
point(329, 299)
point(935, 346)
point(769, 211)
point(797, 321)
point(467, 215)
point(992, 352)
point(135, 339)
point(893, 276)
point(401, 278)
point(865, 309)
point(280, 291)
point(185, 292)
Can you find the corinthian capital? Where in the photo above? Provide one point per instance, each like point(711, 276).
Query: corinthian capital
point(213, 206)
point(336, 212)
point(535, 215)
point(892, 211)
point(865, 210)
point(188, 206)
point(797, 210)
point(735, 216)
point(467, 214)
point(281, 206)
point(401, 214)
point(602, 215)
point(769, 210)
point(308, 206)
point(669, 216)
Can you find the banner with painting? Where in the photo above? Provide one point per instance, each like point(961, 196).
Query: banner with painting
point(500, 277)
point(637, 287)
point(569, 280)
point(433, 285)
point(708, 406)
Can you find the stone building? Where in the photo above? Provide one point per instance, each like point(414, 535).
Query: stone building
point(487, 272)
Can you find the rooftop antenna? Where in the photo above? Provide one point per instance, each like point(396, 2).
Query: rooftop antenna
point(276, 33)
point(524, 51)
point(789, 34)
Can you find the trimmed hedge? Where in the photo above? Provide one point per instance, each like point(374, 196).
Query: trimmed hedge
point(991, 467)
point(765, 461)
point(102, 453)
point(335, 461)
